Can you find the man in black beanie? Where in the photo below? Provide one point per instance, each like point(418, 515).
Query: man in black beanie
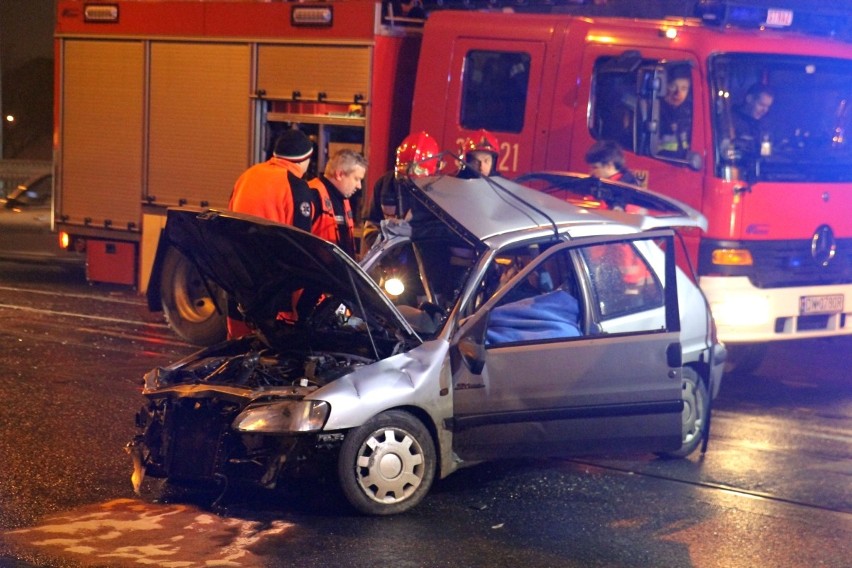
point(275, 190)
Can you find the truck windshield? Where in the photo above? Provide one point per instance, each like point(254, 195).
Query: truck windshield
point(782, 118)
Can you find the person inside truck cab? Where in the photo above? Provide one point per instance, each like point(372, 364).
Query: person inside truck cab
point(342, 178)
point(416, 156)
point(747, 118)
point(676, 113)
point(606, 161)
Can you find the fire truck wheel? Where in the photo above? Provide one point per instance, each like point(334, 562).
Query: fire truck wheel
point(745, 359)
point(387, 465)
point(195, 311)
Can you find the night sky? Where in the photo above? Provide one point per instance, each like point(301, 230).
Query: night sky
point(26, 30)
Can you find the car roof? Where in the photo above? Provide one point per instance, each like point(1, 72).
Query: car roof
point(492, 209)
point(487, 208)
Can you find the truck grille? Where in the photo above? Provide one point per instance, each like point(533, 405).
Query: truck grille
point(782, 264)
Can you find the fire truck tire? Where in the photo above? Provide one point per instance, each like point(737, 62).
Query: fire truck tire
point(745, 359)
point(194, 310)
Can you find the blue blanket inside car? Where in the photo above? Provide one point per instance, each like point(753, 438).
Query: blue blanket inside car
point(553, 315)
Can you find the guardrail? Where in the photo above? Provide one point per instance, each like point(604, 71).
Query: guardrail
point(16, 172)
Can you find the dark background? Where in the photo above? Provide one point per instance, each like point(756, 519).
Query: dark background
point(26, 64)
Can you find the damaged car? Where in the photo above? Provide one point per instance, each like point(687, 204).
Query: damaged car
point(499, 322)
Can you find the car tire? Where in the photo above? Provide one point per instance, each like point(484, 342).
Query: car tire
point(387, 465)
point(194, 310)
point(696, 406)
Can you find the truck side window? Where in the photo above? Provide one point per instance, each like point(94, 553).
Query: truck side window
point(614, 104)
point(644, 105)
point(494, 93)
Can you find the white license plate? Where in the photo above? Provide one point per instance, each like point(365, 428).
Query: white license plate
point(821, 304)
point(779, 18)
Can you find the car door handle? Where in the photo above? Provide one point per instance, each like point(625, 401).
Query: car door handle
point(674, 355)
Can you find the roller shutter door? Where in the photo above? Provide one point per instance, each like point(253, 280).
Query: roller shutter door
point(200, 121)
point(101, 121)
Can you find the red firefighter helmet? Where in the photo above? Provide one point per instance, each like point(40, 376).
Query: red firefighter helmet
point(415, 151)
point(481, 141)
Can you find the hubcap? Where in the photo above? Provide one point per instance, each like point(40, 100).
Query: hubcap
point(692, 418)
point(390, 465)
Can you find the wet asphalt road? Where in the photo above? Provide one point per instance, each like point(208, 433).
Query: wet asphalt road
point(775, 488)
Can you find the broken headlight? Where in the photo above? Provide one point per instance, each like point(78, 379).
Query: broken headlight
point(283, 416)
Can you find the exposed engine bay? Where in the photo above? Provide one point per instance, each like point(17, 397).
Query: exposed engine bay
point(186, 429)
point(257, 368)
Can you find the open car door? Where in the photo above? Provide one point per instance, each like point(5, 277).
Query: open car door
point(579, 352)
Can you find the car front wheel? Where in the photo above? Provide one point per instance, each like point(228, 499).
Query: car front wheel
point(387, 465)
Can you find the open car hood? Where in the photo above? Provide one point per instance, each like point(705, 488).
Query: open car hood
point(262, 264)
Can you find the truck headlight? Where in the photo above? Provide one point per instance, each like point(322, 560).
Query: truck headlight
point(283, 416)
point(739, 311)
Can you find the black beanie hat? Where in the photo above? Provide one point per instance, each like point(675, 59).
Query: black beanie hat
point(293, 145)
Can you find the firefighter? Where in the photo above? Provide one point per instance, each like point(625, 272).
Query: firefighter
point(416, 156)
point(606, 161)
point(480, 153)
point(275, 190)
point(676, 113)
point(748, 120)
point(342, 178)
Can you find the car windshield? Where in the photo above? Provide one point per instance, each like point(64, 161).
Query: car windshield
point(34, 192)
point(790, 114)
point(423, 280)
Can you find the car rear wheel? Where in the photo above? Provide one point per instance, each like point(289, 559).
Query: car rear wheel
point(696, 406)
point(387, 465)
point(195, 311)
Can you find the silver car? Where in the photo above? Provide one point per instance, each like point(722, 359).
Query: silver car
point(25, 226)
point(500, 322)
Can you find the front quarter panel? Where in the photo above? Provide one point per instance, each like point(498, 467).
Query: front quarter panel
point(412, 379)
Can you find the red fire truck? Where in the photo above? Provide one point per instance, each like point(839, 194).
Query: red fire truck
point(164, 103)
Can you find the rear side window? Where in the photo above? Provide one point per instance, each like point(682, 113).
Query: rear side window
point(622, 282)
point(494, 93)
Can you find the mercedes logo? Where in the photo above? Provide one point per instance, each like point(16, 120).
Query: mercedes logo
point(823, 245)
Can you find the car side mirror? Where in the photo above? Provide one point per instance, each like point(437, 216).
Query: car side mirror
point(694, 161)
point(473, 354)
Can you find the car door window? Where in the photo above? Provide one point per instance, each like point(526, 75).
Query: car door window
point(541, 302)
point(505, 265)
point(585, 291)
point(622, 284)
